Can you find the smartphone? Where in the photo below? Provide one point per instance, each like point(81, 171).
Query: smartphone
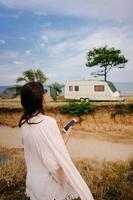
point(71, 123)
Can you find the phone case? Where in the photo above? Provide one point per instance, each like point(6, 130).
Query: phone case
point(71, 123)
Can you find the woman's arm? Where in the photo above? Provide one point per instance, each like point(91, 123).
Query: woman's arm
point(60, 177)
point(66, 136)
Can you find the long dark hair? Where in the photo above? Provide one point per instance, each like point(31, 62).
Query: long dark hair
point(31, 100)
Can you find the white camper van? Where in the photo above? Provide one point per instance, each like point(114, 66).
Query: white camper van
point(93, 90)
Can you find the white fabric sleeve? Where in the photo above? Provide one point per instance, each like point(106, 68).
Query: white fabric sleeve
point(47, 157)
point(49, 160)
point(72, 176)
point(54, 154)
point(51, 164)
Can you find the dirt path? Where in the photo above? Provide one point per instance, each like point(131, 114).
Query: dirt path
point(89, 148)
point(10, 137)
point(99, 150)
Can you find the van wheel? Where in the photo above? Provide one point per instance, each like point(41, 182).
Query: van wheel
point(82, 99)
point(87, 100)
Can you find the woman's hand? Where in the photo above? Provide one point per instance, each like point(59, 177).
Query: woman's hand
point(66, 135)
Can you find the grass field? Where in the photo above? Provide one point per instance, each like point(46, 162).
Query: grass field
point(107, 180)
point(100, 125)
point(15, 103)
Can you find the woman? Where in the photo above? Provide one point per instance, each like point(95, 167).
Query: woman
point(51, 174)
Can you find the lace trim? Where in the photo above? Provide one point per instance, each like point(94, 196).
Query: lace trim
point(71, 196)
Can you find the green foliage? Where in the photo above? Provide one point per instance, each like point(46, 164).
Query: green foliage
point(105, 58)
point(120, 169)
point(55, 90)
point(57, 87)
point(32, 75)
point(39, 76)
point(119, 110)
point(78, 109)
point(130, 108)
point(122, 109)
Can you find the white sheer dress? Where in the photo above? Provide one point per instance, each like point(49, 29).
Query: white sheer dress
point(45, 152)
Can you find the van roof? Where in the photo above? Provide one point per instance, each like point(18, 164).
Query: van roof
point(86, 80)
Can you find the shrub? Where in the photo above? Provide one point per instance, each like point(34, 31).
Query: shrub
point(120, 170)
point(130, 107)
point(122, 109)
point(78, 109)
point(109, 181)
point(11, 177)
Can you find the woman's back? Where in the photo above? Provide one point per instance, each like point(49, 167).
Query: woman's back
point(51, 173)
point(41, 164)
point(30, 134)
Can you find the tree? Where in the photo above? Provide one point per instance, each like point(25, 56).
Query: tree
point(32, 75)
point(55, 90)
point(106, 58)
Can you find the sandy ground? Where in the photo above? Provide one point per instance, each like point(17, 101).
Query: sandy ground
point(90, 148)
point(99, 150)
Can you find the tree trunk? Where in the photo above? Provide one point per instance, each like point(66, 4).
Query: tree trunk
point(105, 74)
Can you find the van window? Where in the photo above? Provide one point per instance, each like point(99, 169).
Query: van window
point(70, 88)
point(76, 88)
point(99, 88)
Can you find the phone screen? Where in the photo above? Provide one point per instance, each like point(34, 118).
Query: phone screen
point(71, 123)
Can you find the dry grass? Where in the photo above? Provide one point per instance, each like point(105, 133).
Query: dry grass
point(10, 103)
point(100, 125)
point(12, 175)
point(15, 103)
point(107, 180)
point(10, 119)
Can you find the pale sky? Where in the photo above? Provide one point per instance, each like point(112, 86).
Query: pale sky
point(55, 36)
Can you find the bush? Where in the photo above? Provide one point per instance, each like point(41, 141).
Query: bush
point(11, 176)
point(122, 109)
point(109, 181)
point(130, 107)
point(78, 109)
